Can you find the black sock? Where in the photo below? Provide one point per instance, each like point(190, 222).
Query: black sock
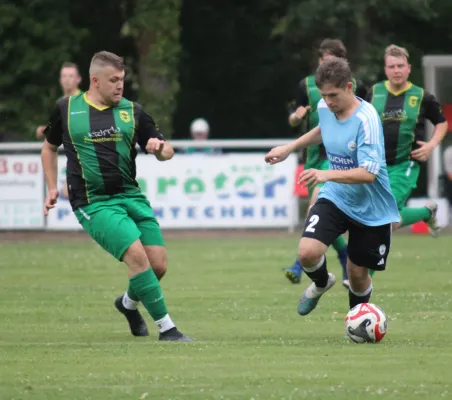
point(318, 273)
point(358, 298)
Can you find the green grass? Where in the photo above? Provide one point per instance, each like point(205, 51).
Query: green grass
point(60, 337)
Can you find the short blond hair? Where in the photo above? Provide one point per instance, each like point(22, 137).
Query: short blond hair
point(396, 51)
point(104, 59)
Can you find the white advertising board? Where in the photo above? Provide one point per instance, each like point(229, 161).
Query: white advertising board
point(61, 217)
point(21, 192)
point(220, 191)
point(207, 191)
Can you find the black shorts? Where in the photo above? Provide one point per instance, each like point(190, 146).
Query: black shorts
point(368, 246)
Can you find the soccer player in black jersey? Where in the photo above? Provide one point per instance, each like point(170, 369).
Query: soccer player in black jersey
point(404, 108)
point(69, 81)
point(99, 130)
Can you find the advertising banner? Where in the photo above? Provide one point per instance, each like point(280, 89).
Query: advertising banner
point(206, 191)
point(21, 192)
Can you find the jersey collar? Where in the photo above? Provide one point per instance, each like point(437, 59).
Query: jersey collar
point(400, 91)
point(93, 105)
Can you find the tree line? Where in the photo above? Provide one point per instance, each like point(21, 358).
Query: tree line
point(234, 63)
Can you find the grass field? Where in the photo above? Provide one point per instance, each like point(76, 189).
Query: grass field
point(61, 338)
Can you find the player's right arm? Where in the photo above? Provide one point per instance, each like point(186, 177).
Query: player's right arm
point(49, 156)
point(280, 153)
point(301, 105)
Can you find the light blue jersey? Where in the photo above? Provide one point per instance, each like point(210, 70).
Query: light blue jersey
point(353, 143)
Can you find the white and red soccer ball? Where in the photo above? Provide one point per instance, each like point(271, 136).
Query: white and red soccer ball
point(366, 323)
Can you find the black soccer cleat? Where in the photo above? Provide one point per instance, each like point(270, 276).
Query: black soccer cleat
point(136, 322)
point(173, 335)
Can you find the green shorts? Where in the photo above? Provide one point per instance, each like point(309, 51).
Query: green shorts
point(322, 165)
point(403, 179)
point(119, 221)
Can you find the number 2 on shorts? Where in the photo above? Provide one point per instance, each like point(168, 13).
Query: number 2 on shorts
point(312, 222)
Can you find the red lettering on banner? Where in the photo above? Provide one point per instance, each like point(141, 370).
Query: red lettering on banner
point(33, 168)
point(3, 166)
point(18, 167)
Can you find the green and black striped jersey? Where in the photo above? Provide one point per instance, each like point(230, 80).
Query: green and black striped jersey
point(308, 94)
point(100, 146)
point(403, 116)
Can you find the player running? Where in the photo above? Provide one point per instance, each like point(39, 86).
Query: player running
point(403, 109)
point(306, 101)
point(356, 196)
point(99, 130)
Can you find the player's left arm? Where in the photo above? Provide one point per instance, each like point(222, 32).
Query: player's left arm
point(434, 113)
point(151, 140)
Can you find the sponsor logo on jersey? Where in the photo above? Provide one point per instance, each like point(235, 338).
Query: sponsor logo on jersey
point(394, 115)
point(341, 162)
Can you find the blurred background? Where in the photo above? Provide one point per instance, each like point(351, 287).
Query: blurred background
point(233, 64)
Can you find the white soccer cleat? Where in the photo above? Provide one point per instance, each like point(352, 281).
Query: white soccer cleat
point(312, 294)
point(432, 223)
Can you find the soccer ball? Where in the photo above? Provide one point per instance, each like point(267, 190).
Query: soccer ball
point(366, 323)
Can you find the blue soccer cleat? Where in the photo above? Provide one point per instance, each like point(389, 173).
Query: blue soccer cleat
point(294, 272)
point(312, 294)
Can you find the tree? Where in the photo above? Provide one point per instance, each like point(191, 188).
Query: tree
point(37, 37)
point(155, 28)
point(365, 27)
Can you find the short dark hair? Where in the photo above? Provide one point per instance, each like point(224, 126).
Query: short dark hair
point(335, 71)
point(335, 47)
point(68, 64)
point(105, 58)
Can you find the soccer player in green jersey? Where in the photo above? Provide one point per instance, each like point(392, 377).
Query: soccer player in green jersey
point(306, 102)
point(99, 130)
point(69, 81)
point(403, 109)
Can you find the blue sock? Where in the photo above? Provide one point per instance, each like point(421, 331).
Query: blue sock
point(342, 255)
point(296, 265)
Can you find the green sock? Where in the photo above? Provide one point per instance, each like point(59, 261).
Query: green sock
point(132, 295)
point(147, 289)
point(371, 272)
point(413, 215)
point(339, 244)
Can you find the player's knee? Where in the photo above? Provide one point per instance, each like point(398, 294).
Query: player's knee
point(138, 262)
point(157, 259)
point(308, 256)
point(160, 268)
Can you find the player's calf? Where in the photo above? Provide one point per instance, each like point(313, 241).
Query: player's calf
point(311, 254)
point(360, 284)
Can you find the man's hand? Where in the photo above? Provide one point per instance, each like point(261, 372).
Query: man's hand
point(296, 117)
point(277, 154)
point(155, 146)
point(301, 112)
point(51, 200)
point(423, 152)
point(40, 131)
point(313, 177)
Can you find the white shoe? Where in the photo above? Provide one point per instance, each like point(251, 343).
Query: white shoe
point(432, 223)
point(312, 294)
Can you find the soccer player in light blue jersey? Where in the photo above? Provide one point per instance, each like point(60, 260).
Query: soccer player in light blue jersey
point(356, 196)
